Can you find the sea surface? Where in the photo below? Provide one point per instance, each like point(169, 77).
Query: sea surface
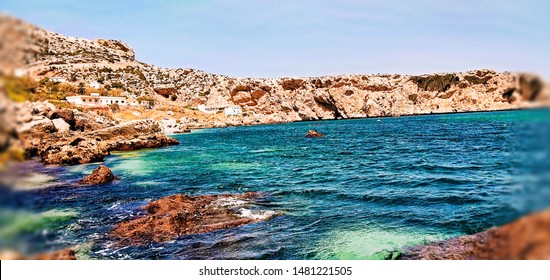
point(366, 190)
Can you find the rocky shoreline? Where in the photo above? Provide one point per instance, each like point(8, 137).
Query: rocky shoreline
point(72, 137)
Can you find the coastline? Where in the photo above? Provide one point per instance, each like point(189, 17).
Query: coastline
point(536, 108)
point(450, 252)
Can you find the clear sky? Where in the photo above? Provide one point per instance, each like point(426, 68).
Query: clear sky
point(254, 38)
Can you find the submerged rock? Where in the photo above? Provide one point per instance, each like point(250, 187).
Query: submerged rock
point(179, 215)
point(314, 134)
point(525, 239)
point(101, 175)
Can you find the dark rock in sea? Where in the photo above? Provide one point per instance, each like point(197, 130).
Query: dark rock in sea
point(101, 175)
point(314, 134)
point(66, 254)
point(525, 239)
point(179, 215)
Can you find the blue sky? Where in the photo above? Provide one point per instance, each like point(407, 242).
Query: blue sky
point(309, 38)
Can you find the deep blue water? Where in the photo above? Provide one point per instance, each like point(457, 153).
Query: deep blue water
point(370, 186)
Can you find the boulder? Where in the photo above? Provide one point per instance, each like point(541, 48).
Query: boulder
point(101, 175)
point(66, 115)
point(37, 127)
point(178, 215)
point(314, 134)
point(61, 125)
point(527, 238)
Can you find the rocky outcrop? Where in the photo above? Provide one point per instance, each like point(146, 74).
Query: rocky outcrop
point(179, 215)
point(90, 139)
point(314, 134)
point(525, 239)
point(100, 175)
point(67, 116)
point(78, 148)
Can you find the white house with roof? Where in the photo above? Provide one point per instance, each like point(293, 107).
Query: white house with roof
point(233, 110)
point(94, 99)
point(20, 72)
point(229, 110)
point(95, 85)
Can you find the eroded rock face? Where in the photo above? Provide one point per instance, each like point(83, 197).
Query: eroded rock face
point(525, 239)
point(314, 134)
point(267, 100)
point(101, 175)
point(179, 215)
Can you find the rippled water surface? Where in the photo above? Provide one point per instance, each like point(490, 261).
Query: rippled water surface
point(368, 188)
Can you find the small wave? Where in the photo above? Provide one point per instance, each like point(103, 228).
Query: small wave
point(115, 205)
point(256, 214)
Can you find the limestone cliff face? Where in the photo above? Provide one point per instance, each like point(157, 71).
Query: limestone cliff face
point(112, 63)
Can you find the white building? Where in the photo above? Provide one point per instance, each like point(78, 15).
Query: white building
point(95, 100)
point(210, 109)
point(95, 85)
point(229, 110)
point(20, 72)
point(57, 79)
point(233, 110)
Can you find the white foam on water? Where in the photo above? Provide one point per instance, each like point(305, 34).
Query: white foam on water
point(256, 214)
point(115, 205)
point(228, 202)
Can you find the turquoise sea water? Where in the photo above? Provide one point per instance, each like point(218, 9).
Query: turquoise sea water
point(369, 188)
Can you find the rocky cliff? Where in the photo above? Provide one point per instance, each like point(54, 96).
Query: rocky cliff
point(112, 64)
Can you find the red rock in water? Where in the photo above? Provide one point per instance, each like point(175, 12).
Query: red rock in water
point(525, 239)
point(101, 175)
point(179, 215)
point(314, 134)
